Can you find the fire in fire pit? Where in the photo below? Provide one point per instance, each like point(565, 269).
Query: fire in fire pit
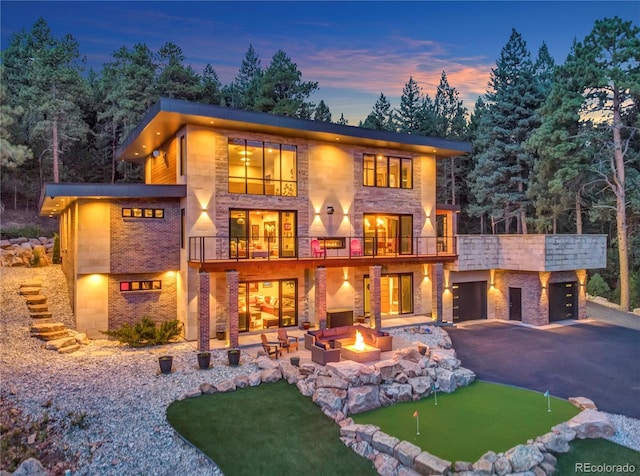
point(360, 352)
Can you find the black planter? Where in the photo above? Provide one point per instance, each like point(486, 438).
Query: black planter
point(166, 362)
point(306, 325)
point(220, 335)
point(234, 356)
point(204, 359)
point(295, 361)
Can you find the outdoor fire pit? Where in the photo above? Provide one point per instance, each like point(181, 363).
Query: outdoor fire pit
point(360, 352)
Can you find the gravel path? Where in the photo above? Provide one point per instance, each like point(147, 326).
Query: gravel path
point(119, 391)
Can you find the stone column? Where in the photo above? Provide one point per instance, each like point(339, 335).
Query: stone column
point(375, 320)
point(233, 278)
point(321, 297)
point(204, 328)
point(437, 288)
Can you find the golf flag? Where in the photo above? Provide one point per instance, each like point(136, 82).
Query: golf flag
point(546, 394)
point(434, 389)
point(415, 414)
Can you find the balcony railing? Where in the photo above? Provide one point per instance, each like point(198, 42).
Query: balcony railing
point(224, 248)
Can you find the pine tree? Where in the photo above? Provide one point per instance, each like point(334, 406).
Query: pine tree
point(410, 114)
point(342, 120)
point(282, 90)
point(382, 116)
point(211, 86)
point(12, 154)
point(322, 112)
point(174, 78)
point(243, 91)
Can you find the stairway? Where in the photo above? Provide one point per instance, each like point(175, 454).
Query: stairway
point(56, 334)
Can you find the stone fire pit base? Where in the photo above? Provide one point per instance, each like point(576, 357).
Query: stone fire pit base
point(369, 353)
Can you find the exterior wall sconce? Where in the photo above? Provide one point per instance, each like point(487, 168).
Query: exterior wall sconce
point(330, 210)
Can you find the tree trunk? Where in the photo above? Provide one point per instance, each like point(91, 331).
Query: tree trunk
point(523, 221)
point(453, 182)
point(113, 153)
point(554, 221)
point(618, 186)
point(578, 214)
point(54, 146)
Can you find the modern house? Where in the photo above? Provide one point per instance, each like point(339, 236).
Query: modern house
point(250, 221)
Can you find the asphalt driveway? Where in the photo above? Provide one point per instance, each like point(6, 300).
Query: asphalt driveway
point(596, 360)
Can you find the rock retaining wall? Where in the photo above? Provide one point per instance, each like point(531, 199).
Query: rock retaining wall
point(26, 252)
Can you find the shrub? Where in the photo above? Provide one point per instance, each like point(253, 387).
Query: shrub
point(146, 333)
point(56, 248)
point(27, 231)
point(598, 287)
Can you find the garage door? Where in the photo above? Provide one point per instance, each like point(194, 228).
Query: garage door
point(469, 301)
point(563, 301)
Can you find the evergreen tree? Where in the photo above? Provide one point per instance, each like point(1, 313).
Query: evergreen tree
point(382, 117)
point(342, 120)
point(322, 113)
point(211, 87)
point(282, 90)
point(410, 114)
point(504, 164)
point(12, 154)
point(243, 91)
point(174, 78)
point(476, 205)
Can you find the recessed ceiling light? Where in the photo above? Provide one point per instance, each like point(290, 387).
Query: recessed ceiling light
point(135, 153)
point(157, 133)
point(144, 146)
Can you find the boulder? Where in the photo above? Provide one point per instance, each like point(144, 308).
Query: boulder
point(289, 372)
point(446, 380)
point(346, 370)
point(591, 424)
point(367, 375)
point(426, 463)
point(31, 467)
point(307, 369)
point(583, 403)
point(383, 442)
point(554, 442)
point(193, 394)
point(410, 368)
point(397, 392)
point(331, 382)
point(404, 471)
point(483, 467)
point(445, 359)
point(69, 349)
point(306, 386)
point(524, 457)
point(463, 376)
point(501, 466)
point(207, 389)
point(264, 362)
point(421, 386)
point(58, 344)
point(362, 399)
point(406, 453)
point(270, 375)
point(331, 399)
point(255, 379)
point(242, 381)
point(225, 386)
point(385, 465)
point(364, 449)
point(564, 431)
point(411, 354)
point(388, 370)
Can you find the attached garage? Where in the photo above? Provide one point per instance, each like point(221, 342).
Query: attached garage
point(563, 301)
point(469, 301)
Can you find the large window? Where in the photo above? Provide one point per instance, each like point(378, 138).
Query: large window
point(388, 234)
point(396, 294)
point(384, 171)
point(262, 168)
point(262, 233)
point(267, 304)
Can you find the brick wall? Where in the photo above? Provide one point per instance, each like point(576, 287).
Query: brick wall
point(130, 307)
point(145, 245)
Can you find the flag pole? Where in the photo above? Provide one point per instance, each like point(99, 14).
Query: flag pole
point(546, 394)
point(417, 415)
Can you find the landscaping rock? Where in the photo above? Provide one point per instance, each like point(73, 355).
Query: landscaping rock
point(242, 381)
point(31, 467)
point(404, 471)
point(446, 380)
point(367, 375)
point(270, 375)
point(364, 449)
point(255, 378)
point(554, 442)
point(501, 466)
point(547, 468)
point(397, 392)
point(346, 370)
point(460, 466)
point(225, 386)
point(69, 349)
point(331, 399)
point(583, 403)
point(591, 424)
point(421, 386)
point(363, 399)
point(564, 431)
point(388, 370)
point(331, 382)
point(193, 394)
point(411, 369)
point(383, 442)
point(58, 344)
point(366, 432)
point(385, 465)
point(306, 386)
point(207, 389)
point(463, 376)
point(289, 372)
point(307, 369)
point(427, 464)
point(524, 457)
point(265, 362)
point(409, 353)
point(406, 453)
point(483, 466)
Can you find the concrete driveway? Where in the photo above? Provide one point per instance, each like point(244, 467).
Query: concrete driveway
point(593, 359)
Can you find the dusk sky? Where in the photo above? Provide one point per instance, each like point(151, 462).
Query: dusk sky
point(354, 50)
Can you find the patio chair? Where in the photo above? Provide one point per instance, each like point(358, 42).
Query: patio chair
point(318, 252)
point(286, 341)
point(356, 247)
point(271, 348)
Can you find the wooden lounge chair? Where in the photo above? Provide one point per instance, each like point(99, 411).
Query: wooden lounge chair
point(271, 348)
point(286, 341)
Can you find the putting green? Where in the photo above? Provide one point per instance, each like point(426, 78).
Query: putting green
point(471, 421)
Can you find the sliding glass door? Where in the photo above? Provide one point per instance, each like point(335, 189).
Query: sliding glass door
point(262, 234)
point(396, 294)
point(388, 234)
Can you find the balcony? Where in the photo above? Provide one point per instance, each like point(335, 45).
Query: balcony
point(220, 251)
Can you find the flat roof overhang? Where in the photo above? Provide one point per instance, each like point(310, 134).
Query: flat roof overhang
point(247, 266)
point(167, 116)
point(56, 197)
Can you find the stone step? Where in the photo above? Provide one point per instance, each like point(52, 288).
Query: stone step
point(34, 283)
point(38, 307)
point(68, 349)
point(41, 315)
point(47, 327)
point(29, 291)
point(51, 335)
point(36, 299)
point(57, 344)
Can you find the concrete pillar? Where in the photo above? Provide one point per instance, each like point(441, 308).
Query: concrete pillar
point(204, 328)
point(233, 278)
point(375, 321)
point(437, 289)
point(321, 297)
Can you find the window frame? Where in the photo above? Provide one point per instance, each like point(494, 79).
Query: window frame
point(381, 177)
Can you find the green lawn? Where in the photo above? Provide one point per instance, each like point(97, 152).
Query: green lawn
point(267, 430)
point(472, 420)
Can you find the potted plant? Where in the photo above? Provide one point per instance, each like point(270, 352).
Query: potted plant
point(204, 359)
point(306, 324)
point(220, 332)
point(234, 356)
point(166, 362)
point(295, 361)
point(360, 319)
